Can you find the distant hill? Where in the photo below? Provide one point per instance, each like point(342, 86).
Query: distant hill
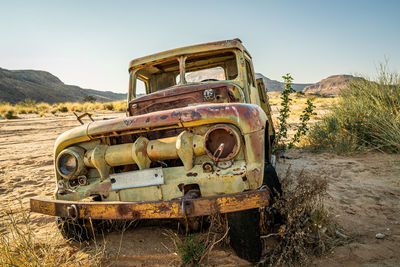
point(42, 86)
point(273, 85)
point(330, 86)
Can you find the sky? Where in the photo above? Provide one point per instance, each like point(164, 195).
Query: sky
point(90, 43)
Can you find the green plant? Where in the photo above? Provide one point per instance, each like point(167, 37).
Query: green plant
point(109, 106)
point(190, 250)
point(9, 115)
point(89, 98)
point(63, 109)
point(367, 116)
point(284, 114)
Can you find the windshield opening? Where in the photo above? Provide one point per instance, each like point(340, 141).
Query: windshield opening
point(219, 66)
point(206, 67)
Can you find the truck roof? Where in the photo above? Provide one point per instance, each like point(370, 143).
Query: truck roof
point(192, 49)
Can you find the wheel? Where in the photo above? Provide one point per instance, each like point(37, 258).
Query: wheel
point(244, 226)
point(244, 233)
point(77, 230)
point(271, 180)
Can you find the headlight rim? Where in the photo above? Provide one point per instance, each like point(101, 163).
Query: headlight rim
point(230, 129)
point(78, 159)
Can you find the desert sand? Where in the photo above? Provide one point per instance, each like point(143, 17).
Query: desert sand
point(363, 197)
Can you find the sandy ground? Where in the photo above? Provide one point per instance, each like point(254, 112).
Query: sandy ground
point(363, 196)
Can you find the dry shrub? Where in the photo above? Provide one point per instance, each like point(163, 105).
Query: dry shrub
point(120, 106)
point(20, 245)
point(306, 229)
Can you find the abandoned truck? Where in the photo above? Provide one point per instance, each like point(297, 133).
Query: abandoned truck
point(197, 143)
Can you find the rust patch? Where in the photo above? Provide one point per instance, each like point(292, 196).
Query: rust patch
point(191, 174)
point(101, 188)
point(163, 208)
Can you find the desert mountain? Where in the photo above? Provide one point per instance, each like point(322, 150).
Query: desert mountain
point(273, 85)
point(42, 86)
point(330, 86)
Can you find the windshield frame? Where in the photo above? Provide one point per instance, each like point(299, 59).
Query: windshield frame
point(238, 80)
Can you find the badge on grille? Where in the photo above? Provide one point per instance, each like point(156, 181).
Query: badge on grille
point(208, 94)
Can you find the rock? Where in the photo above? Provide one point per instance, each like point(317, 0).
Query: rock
point(379, 235)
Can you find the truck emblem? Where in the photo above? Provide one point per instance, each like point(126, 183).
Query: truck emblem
point(208, 94)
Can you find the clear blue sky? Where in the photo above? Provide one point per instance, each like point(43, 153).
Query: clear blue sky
point(90, 43)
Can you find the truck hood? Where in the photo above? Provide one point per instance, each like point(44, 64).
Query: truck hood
point(186, 95)
point(247, 117)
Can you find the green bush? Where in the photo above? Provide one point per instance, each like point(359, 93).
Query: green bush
point(63, 109)
point(108, 106)
point(281, 142)
point(89, 98)
point(367, 116)
point(9, 115)
point(191, 251)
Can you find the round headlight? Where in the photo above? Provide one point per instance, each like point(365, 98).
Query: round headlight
point(222, 142)
point(69, 163)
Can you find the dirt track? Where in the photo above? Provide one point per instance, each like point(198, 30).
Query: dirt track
point(363, 196)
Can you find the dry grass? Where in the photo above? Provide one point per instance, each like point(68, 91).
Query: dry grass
point(20, 245)
point(43, 109)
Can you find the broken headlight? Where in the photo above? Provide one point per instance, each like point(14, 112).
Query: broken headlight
point(222, 142)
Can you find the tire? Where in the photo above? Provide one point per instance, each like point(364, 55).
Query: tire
point(79, 230)
point(271, 180)
point(244, 233)
point(244, 226)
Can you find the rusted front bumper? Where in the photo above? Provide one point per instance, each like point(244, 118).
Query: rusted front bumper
point(153, 210)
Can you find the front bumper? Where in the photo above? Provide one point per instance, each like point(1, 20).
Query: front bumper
point(179, 208)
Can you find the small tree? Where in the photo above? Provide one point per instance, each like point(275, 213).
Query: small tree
point(284, 114)
point(89, 98)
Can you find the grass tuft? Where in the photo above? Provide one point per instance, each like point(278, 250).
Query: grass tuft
point(20, 245)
